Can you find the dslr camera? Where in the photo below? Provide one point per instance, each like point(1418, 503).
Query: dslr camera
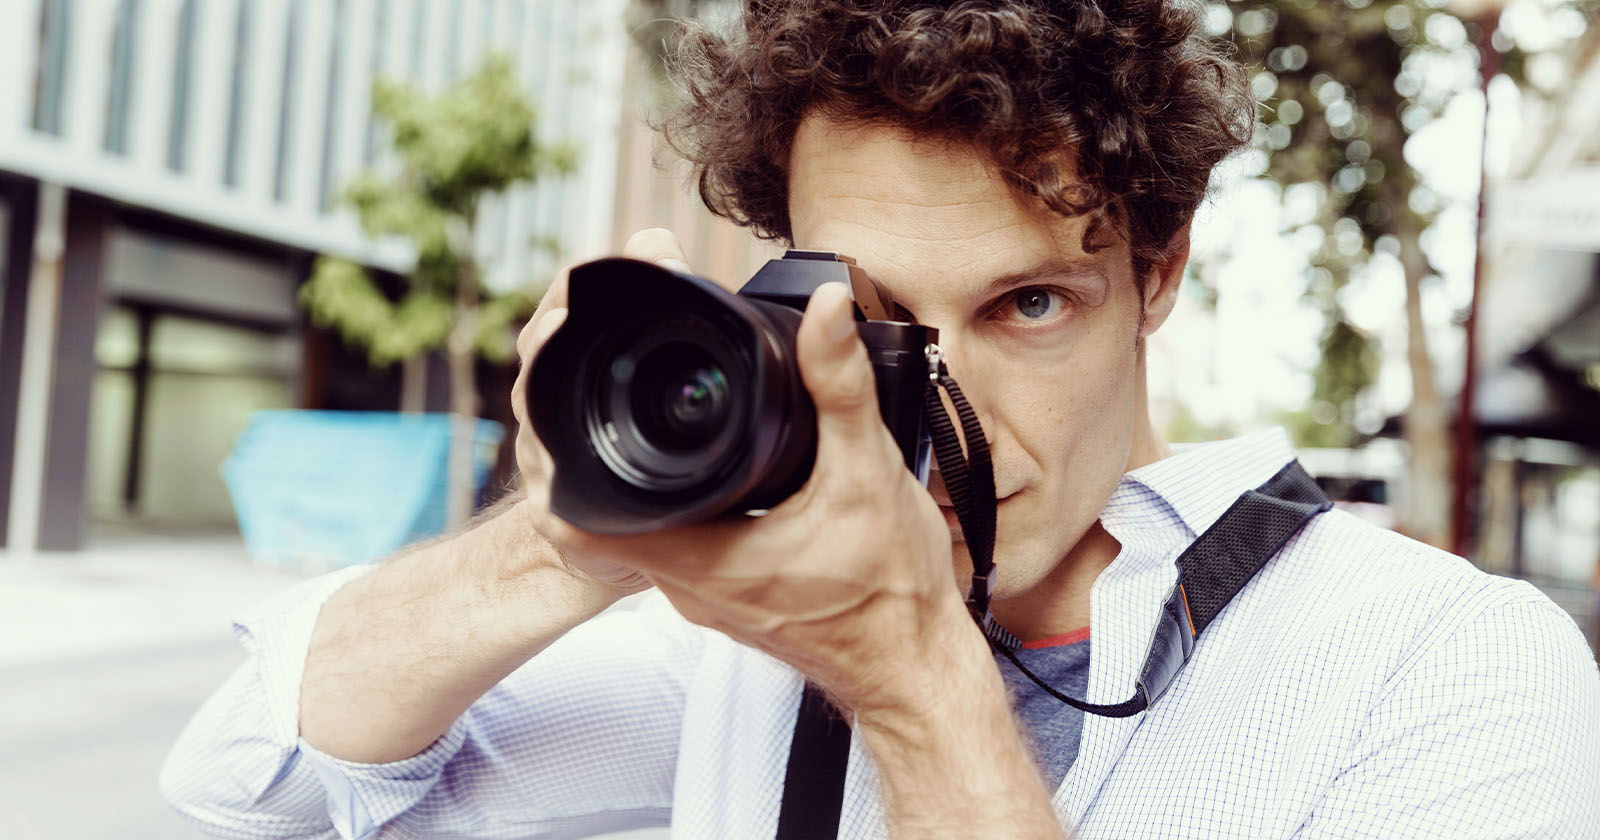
point(664, 399)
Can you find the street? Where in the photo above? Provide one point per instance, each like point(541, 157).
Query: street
point(104, 656)
point(82, 740)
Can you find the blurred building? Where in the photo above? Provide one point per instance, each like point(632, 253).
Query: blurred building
point(1538, 403)
point(168, 172)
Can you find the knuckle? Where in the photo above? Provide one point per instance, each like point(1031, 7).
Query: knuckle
point(519, 396)
point(848, 484)
point(854, 386)
point(555, 295)
point(652, 244)
point(526, 338)
point(529, 450)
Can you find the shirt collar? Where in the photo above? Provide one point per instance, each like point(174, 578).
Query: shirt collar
point(1197, 483)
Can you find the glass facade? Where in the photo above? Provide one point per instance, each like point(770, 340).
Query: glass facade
point(51, 71)
point(238, 79)
point(202, 381)
point(119, 92)
point(182, 83)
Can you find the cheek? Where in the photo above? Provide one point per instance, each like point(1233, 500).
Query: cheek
point(1070, 405)
point(1064, 429)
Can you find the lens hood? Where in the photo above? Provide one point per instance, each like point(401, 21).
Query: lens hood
point(664, 399)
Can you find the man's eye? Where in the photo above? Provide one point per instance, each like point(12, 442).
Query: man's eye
point(1036, 304)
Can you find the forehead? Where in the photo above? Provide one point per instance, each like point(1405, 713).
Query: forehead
point(917, 209)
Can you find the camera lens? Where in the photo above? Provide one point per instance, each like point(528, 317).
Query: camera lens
point(664, 399)
point(681, 397)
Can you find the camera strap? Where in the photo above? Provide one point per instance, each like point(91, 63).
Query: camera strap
point(1211, 571)
point(969, 481)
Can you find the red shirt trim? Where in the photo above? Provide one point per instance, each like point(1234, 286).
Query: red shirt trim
point(1057, 641)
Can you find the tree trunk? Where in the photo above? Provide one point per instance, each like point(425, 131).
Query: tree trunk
point(414, 385)
point(1427, 422)
point(463, 403)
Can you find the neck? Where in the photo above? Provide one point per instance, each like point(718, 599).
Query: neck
point(1060, 602)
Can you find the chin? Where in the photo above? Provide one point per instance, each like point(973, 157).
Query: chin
point(1018, 569)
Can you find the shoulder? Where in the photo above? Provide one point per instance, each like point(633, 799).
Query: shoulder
point(1352, 566)
point(1451, 699)
point(1402, 601)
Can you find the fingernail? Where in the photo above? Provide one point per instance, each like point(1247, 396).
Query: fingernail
point(844, 322)
point(675, 265)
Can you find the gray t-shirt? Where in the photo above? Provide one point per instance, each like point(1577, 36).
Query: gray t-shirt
point(1053, 725)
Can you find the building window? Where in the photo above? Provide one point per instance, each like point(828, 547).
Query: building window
point(117, 92)
point(452, 46)
point(419, 17)
point(291, 44)
point(380, 48)
point(241, 72)
point(50, 74)
point(178, 129)
point(330, 111)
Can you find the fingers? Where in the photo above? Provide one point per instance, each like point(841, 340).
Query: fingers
point(657, 245)
point(835, 369)
point(533, 337)
point(554, 297)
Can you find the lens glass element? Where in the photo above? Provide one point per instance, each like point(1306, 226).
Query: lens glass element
point(679, 396)
point(665, 411)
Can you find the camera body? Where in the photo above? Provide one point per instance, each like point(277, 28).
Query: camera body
point(664, 399)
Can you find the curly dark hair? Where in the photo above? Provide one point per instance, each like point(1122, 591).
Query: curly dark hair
point(1132, 95)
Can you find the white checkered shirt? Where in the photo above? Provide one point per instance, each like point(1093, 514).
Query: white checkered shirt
point(1362, 685)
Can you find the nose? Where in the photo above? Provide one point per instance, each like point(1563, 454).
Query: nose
point(962, 357)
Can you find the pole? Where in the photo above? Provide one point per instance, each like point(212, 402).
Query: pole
point(1465, 460)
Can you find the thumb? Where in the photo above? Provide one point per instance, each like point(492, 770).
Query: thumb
point(834, 367)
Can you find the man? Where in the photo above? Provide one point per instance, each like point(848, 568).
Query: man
point(1020, 174)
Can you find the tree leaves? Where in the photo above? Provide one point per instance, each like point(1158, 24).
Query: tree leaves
point(474, 139)
point(341, 296)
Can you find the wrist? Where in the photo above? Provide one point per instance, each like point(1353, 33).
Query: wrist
point(948, 671)
point(952, 750)
point(535, 567)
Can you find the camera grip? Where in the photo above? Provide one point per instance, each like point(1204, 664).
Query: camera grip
point(900, 372)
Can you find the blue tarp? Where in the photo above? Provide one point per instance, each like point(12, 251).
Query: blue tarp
point(334, 488)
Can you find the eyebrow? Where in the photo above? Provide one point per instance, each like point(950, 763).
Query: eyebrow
point(1086, 277)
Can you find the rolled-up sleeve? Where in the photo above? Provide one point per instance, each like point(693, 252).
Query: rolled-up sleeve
point(237, 769)
point(581, 739)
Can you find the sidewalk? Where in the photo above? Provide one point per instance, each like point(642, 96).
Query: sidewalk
point(133, 592)
point(108, 652)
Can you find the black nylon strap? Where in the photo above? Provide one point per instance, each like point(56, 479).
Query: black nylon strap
point(1248, 534)
point(813, 784)
point(968, 480)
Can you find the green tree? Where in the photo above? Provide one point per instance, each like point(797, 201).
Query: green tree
point(473, 140)
point(1342, 86)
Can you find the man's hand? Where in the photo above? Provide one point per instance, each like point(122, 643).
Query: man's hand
point(533, 460)
point(850, 580)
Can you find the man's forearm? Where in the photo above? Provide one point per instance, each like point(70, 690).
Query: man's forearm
point(952, 763)
point(398, 654)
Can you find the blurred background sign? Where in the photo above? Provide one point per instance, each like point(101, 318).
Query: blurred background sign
point(1560, 210)
point(335, 488)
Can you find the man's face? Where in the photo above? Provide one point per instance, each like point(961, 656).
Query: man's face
point(1040, 335)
